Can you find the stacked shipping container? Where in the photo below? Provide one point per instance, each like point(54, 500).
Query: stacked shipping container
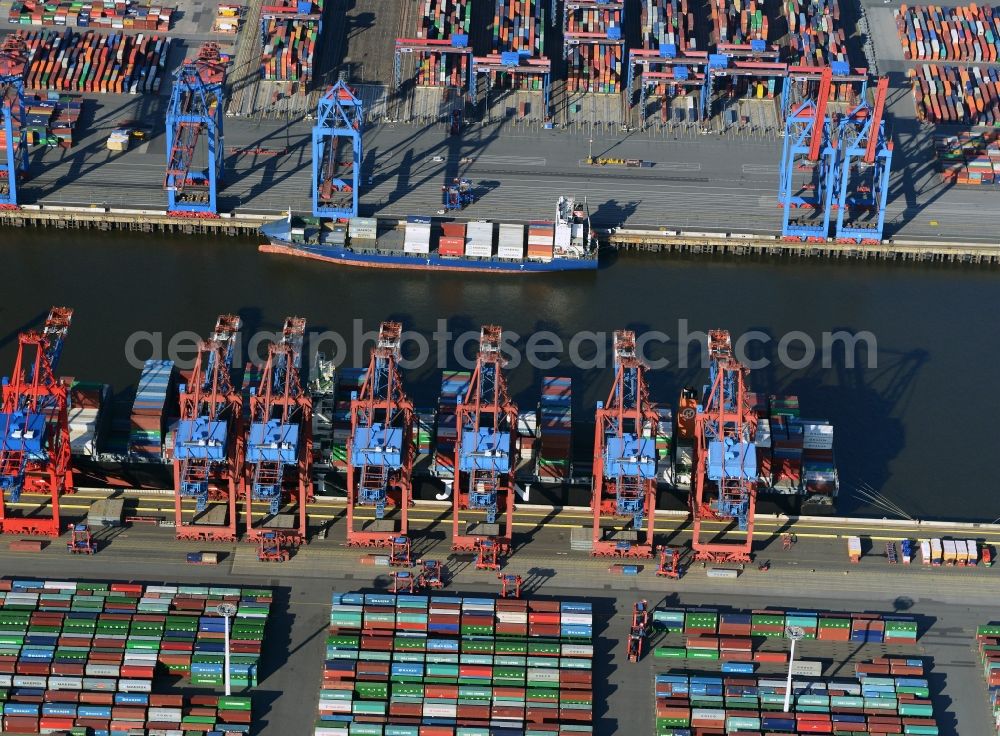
point(86, 406)
point(793, 454)
point(747, 704)
point(738, 21)
point(116, 14)
point(555, 418)
point(291, 32)
point(454, 384)
point(153, 400)
point(969, 158)
point(91, 651)
point(963, 33)
point(988, 642)
point(953, 94)
point(92, 62)
point(816, 36)
point(666, 22)
point(541, 241)
point(519, 26)
point(595, 51)
point(404, 665)
point(452, 241)
point(444, 20)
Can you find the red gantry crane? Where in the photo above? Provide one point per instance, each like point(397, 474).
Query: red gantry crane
point(725, 458)
point(486, 455)
point(625, 458)
point(208, 450)
point(278, 463)
point(380, 452)
point(34, 429)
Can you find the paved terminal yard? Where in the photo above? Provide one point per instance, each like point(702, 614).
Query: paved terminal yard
point(725, 180)
point(948, 604)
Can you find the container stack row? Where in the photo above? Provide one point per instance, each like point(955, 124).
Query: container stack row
point(855, 627)
point(667, 22)
point(129, 631)
point(988, 642)
point(442, 20)
point(555, 419)
point(519, 26)
point(50, 120)
point(951, 552)
point(291, 32)
point(968, 158)
point(404, 665)
point(738, 21)
point(454, 385)
point(865, 704)
point(816, 36)
point(349, 380)
point(116, 63)
point(72, 711)
point(87, 402)
point(227, 19)
point(962, 33)
point(793, 454)
point(956, 95)
point(664, 442)
point(595, 52)
point(153, 399)
point(128, 15)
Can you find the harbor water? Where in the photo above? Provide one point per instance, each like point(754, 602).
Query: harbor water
point(916, 421)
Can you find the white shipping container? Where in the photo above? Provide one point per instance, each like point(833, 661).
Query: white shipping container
point(950, 551)
point(925, 552)
point(100, 684)
point(363, 228)
point(479, 232)
point(577, 618)
point(973, 550)
point(165, 714)
point(102, 670)
point(510, 251)
point(416, 247)
point(563, 235)
point(65, 683)
point(161, 589)
point(59, 585)
point(708, 714)
point(5, 680)
point(30, 681)
point(478, 250)
point(135, 686)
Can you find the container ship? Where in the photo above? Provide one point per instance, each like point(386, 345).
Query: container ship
point(566, 244)
point(128, 442)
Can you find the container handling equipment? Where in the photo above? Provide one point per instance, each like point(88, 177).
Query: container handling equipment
point(80, 541)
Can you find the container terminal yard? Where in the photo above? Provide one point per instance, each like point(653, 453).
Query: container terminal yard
point(727, 109)
point(892, 620)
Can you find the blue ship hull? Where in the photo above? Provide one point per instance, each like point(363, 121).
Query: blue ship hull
point(279, 242)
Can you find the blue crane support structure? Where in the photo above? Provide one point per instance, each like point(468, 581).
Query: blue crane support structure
point(863, 168)
point(681, 74)
point(486, 452)
point(13, 121)
point(380, 451)
point(807, 178)
point(208, 449)
point(625, 458)
point(195, 112)
point(725, 482)
point(34, 429)
point(278, 461)
point(337, 182)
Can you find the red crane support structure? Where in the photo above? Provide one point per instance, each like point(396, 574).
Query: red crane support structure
point(625, 456)
point(208, 450)
point(380, 451)
point(34, 429)
point(725, 458)
point(278, 461)
point(486, 450)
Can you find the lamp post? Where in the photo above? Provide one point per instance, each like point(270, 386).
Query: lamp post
point(227, 610)
point(794, 633)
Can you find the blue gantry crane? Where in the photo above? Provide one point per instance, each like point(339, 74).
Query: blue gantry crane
point(34, 429)
point(725, 456)
point(808, 150)
point(278, 460)
point(486, 452)
point(625, 458)
point(208, 449)
point(380, 451)
point(864, 165)
point(335, 179)
point(13, 123)
point(194, 120)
